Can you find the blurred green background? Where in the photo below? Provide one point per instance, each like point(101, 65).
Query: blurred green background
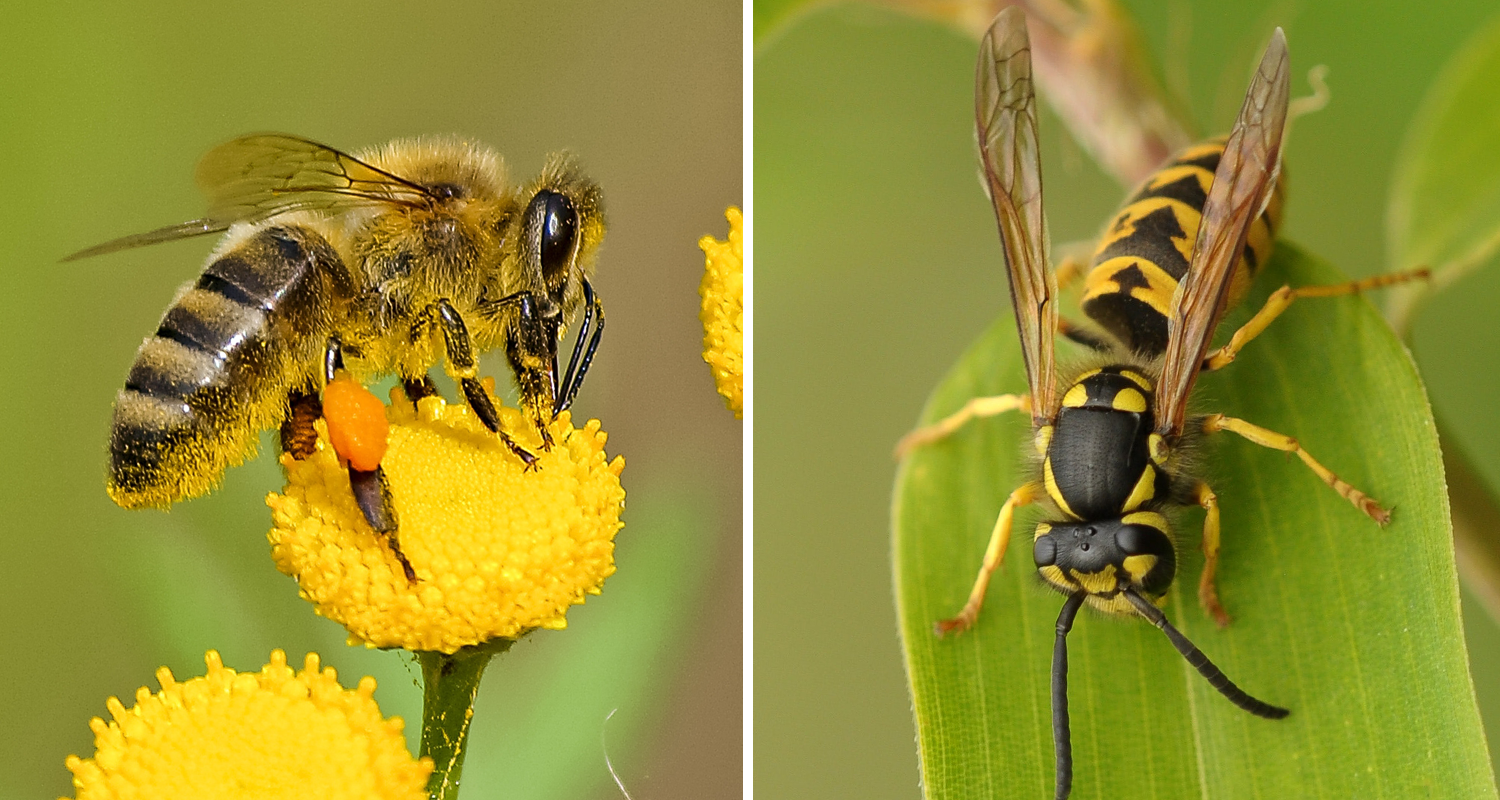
point(104, 111)
point(878, 261)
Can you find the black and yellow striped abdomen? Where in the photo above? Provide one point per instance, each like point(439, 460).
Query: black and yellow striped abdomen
point(1148, 245)
point(218, 369)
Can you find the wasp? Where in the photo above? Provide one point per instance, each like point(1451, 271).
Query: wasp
point(1115, 444)
point(397, 257)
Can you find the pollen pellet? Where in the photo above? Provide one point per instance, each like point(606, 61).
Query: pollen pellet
point(356, 423)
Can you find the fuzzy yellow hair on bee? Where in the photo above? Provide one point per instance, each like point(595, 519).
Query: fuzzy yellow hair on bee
point(416, 252)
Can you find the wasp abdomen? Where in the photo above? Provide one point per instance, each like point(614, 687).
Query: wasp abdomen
point(218, 368)
point(1148, 245)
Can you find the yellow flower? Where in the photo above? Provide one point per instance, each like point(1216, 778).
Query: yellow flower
point(497, 550)
point(253, 735)
point(723, 312)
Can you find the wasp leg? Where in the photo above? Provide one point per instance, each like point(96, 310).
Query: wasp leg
point(461, 357)
point(1283, 298)
point(1280, 441)
point(1083, 336)
point(1208, 593)
point(373, 496)
point(298, 436)
point(1027, 494)
point(1074, 262)
point(977, 408)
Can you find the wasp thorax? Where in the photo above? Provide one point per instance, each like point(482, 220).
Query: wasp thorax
point(1104, 556)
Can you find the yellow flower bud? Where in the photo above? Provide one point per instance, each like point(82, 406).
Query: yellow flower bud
point(262, 735)
point(723, 311)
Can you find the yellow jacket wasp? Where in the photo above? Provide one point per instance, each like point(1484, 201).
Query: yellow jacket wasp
point(1114, 443)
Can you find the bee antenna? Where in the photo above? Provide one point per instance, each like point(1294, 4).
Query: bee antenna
point(1215, 677)
point(1061, 739)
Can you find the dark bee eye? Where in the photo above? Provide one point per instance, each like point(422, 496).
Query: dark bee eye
point(559, 227)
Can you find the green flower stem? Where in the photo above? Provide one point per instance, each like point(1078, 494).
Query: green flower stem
point(449, 685)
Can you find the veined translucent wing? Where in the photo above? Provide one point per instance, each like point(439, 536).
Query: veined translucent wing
point(1246, 175)
point(258, 176)
point(1005, 117)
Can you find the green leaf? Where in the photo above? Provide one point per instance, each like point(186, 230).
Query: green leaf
point(1445, 197)
point(1355, 628)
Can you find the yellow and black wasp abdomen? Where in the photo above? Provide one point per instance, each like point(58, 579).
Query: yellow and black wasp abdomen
point(1146, 249)
point(219, 366)
point(1098, 456)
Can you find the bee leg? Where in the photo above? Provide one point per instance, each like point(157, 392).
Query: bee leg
point(993, 554)
point(532, 352)
point(976, 408)
point(298, 436)
point(461, 357)
point(418, 388)
point(581, 358)
point(1083, 336)
point(1280, 441)
point(1208, 593)
point(1283, 298)
point(373, 496)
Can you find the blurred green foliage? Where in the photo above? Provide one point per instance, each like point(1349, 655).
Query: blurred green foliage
point(104, 111)
point(877, 261)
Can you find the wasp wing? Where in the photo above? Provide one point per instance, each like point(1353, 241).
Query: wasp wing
point(1005, 117)
point(258, 176)
point(1245, 177)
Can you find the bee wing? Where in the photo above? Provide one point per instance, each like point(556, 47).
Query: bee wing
point(264, 174)
point(258, 176)
point(1005, 116)
point(1246, 175)
point(182, 230)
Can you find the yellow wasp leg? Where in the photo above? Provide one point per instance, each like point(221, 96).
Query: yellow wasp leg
point(1280, 441)
point(1208, 594)
point(993, 554)
point(1282, 298)
point(977, 408)
point(1075, 261)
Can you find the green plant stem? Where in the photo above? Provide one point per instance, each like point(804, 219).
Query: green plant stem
point(450, 683)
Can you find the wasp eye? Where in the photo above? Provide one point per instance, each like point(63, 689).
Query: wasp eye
point(559, 227)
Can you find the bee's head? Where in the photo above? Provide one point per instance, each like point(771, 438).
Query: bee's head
point(1102, 557)
point(560, 230)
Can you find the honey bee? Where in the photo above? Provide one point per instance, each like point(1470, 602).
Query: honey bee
point(392, 258)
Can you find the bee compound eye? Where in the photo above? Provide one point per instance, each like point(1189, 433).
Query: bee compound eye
point(559, 221)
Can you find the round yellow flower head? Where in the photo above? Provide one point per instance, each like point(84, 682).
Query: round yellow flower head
point(723, 312)
point(497, 550)
point(252, 735)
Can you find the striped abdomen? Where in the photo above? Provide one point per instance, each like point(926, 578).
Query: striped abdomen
point(1147, 247)
point(218, 368)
